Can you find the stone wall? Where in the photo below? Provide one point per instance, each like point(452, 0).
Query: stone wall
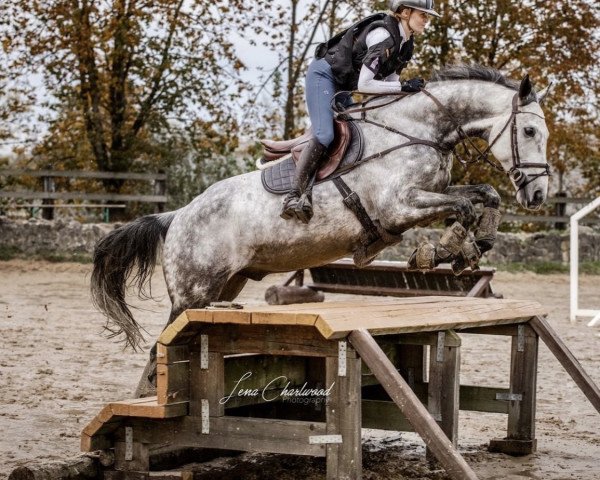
point(69, 237)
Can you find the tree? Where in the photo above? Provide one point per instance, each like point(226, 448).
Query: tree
point(127, 73)
point(295, 28)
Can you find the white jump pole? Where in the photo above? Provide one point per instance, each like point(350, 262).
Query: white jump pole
point(574, 260)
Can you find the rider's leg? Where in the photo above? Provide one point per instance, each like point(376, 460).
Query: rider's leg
point(298, 202)
point(320, 89)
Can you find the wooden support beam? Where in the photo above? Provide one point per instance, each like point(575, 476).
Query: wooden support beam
point(479, 288)
point(444, 384)
point(411, 407)
point(567, 360)
point(207, 379)
point(230, 433)
point(343, 413)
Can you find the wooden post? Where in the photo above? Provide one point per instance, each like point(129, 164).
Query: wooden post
point(344, 461)
point(411, 407)
point(444, 383)
point(520, 439)
point(49, 187)
point(160, 188)
point(207, 383)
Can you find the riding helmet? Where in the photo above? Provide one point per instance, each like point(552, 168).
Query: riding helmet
point(426, 6)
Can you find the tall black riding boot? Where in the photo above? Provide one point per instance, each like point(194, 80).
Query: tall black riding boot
point(298, 202)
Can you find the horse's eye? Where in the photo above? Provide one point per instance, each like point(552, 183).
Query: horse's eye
point(530, 131)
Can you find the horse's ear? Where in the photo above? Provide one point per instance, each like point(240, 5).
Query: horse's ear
point(526, 93)
point(542, 94)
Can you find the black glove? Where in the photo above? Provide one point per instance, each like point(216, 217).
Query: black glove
point(413, 85)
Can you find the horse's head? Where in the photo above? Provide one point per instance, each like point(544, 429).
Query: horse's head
point(520, 146)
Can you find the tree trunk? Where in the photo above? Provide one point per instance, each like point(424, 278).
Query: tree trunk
point(290, 121)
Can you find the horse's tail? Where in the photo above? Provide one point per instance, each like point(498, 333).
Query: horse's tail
point(132, 246)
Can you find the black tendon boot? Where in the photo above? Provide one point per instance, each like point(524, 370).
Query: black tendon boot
point(298, 202)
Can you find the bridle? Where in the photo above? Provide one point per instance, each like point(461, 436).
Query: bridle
point(520, 178)
point(516, 173)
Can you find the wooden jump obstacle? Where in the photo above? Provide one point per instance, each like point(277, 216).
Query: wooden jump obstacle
point(381, 278)
point(363, 361)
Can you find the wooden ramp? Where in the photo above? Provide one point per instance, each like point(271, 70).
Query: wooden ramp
point(348, 346)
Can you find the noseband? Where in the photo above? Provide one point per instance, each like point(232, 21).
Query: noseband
point(516, 173)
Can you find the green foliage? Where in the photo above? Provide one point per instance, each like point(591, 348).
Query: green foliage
point(544, 268)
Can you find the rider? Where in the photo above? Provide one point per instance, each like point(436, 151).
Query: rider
point(368, 56)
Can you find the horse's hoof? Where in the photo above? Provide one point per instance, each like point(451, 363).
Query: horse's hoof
point(423, 258)
point(467, 258)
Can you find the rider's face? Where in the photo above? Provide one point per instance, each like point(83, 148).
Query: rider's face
point(418, 21)
point(415, 20)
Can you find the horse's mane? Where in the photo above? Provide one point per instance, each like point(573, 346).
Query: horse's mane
point(472, 72)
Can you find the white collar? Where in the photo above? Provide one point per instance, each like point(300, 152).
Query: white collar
point(402, 32)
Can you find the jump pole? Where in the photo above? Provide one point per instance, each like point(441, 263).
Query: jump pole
point(410, 405)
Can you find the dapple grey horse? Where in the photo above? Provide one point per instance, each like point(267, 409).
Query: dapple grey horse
point(232, 232)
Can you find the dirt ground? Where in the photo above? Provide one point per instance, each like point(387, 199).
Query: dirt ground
point(58, 371)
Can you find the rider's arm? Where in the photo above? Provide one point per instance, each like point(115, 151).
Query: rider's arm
point(366, 79)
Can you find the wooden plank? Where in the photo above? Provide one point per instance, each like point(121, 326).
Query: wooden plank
point(173, 382)
point(480, 287)
point(170, 334)
point(207, 383)
point(567, 360)
point(411, 407)
point(267, 339)
point(448, 318)
point(68, 205)
point(383, 291)
point(232, 433)
point(103, 197)
point(482, 399)
point(166, 354)
point(395, 266)
point(266, 373)
point(148, 408)
point(384, 415)
point(82, 174)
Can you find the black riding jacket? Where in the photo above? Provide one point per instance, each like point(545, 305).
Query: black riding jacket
point(347, 51)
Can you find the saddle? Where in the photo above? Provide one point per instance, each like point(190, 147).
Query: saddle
point(346, 149)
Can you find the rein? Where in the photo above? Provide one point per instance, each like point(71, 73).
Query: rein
point(520, 178)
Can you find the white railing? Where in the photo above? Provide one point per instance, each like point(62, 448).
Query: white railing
point(574, 259)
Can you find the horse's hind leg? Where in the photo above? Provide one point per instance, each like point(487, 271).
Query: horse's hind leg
point(233, 287)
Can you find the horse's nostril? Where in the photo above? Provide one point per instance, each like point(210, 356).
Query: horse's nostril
point(538, 197)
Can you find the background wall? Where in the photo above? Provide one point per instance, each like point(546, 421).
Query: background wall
point(68, 237)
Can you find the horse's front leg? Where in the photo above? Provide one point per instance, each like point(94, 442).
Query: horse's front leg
point(488, 222)
point(425, 207)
